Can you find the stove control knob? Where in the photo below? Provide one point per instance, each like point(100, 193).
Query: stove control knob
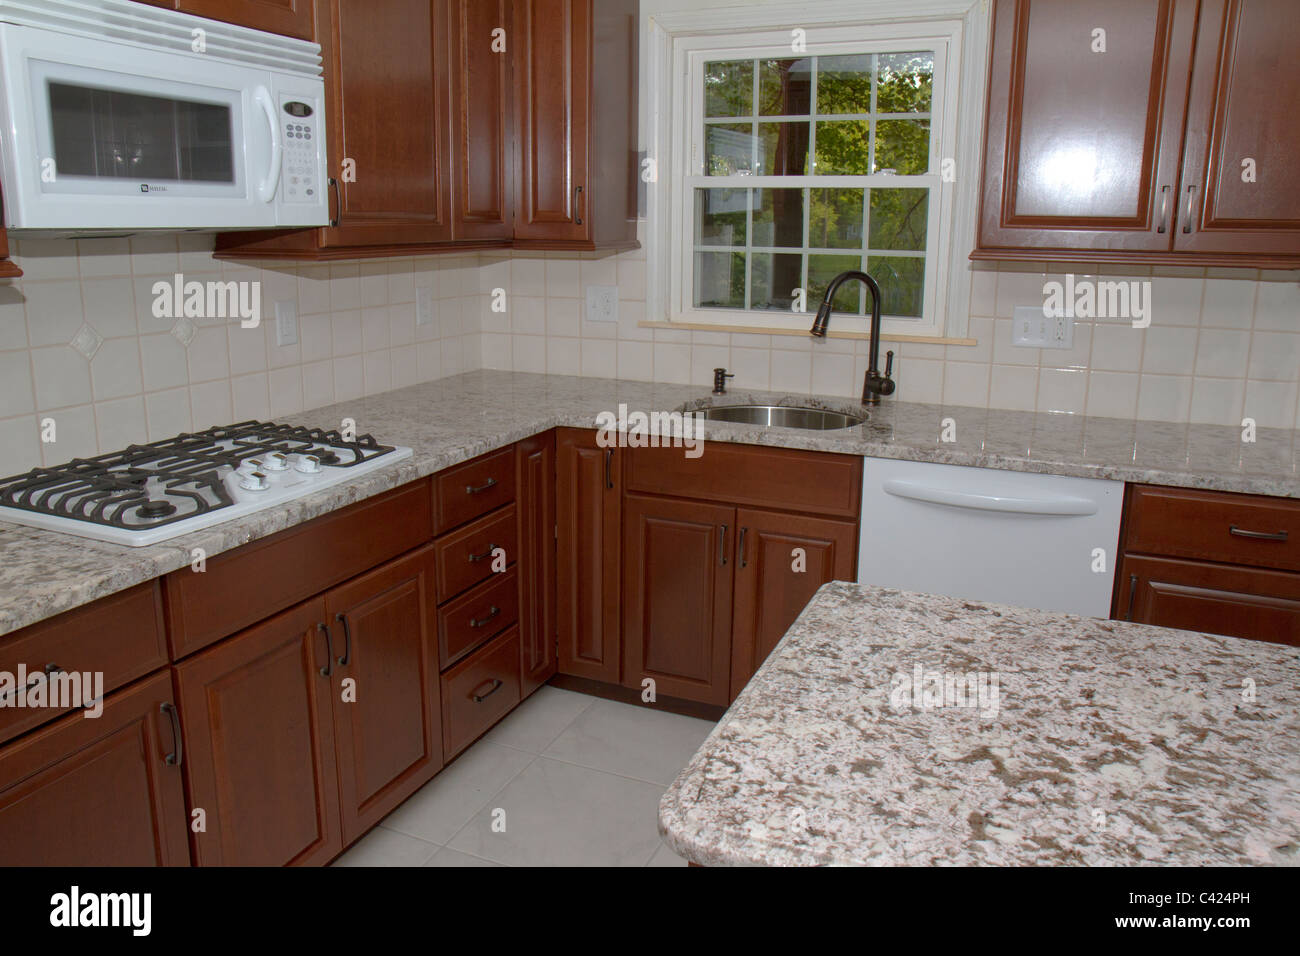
point(255, 481)
point(307, 464)
point(249, 465)
point(276, 461)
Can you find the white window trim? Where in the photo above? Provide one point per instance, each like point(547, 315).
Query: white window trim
point(961, 24)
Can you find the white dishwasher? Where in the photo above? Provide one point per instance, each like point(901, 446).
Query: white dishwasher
point(987, 535)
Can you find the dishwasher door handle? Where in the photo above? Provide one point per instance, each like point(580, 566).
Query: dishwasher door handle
point(1010, 504)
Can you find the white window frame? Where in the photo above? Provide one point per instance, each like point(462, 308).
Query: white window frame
point(680, 42)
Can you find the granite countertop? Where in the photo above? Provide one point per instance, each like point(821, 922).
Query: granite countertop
point(454, 419)
point(1107, 743)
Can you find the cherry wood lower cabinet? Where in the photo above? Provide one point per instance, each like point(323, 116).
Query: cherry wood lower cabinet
point(781, 561)
point(98, 792)
point(678, 572)
point(535, 481)
point(588, 555)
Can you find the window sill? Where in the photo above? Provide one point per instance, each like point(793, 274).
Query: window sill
point(762, 330)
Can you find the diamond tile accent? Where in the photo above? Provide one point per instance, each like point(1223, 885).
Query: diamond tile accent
point(184, 331)
point(87, 341)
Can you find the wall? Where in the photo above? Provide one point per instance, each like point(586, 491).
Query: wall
point(357, 336)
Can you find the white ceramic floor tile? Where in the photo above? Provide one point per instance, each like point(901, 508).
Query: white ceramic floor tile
point(446, 857)
point(382, 847)
point(444, 804)
point(638, 742)
point(663, 857)
point(539, 719)
point(558, 814)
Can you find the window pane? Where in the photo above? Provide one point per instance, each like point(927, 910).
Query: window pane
point(728, 88)
point(836, 221)
point(905, 82)
point(821, 270)
point(783, 149)
point(844, 84)
point(843, 148)
point(720, 217)
point(720, 280)
point(728, 149)
point(775, 277)
point(901, 145)
point(902, 283)
point(898, 218)
point(778, 217)
point(784, 87)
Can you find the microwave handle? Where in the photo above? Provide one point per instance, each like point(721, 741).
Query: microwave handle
point(267, 187)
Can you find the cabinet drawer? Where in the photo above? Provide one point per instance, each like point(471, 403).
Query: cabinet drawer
point(476, 615)
point(260, 579)
point(814, 482)
point(479, 691)
point(465, 556)
point(1214, 526)
point(120, 636)
point(474, 488)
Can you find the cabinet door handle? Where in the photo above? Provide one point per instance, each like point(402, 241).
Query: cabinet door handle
point(1187, 217)
point(347, 639)
point(1164, 209)
point(338, 201)
point(486, 554)
point(722, 545)
point(1257, 535)
point(741, 547)
point(472, 490)
point(577, 205)
point(496, 686)
point(1132, 593)
point(328, 669)
point(480, 621)
point(174, 758)
point(609, 468)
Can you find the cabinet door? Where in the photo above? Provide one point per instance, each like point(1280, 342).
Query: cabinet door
point(774, 581)
point(677, 585)
point(259, 743)
point(1215, 598)
point(1240, 189)
point(98, 792)
point(552, 71)
point(537, 534)
point(481, 100)
point(386, 62)
point(292, 18)
point(1082, 147)
point(388, 719)
point(588, 483)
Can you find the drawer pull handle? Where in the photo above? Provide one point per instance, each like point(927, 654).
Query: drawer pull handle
point(1132, 593)
point(328, 669)
point(174, 758)
point(347, 639)
point(479, 622)
point(484, 556)
point(35, 680)
point(496, 686)
point(1257, 535)
point(472, 490)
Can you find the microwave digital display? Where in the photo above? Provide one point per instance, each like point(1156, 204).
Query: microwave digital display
point(295, 108)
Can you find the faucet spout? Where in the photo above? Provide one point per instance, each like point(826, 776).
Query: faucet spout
point(875, 384)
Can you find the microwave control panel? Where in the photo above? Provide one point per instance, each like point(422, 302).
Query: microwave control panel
point(300, 171)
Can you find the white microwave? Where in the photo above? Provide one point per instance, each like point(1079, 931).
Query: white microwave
point(119, 116)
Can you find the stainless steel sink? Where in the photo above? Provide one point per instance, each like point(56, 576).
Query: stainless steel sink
point(781, 416)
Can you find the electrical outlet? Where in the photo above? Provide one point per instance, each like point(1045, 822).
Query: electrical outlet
point(424, 306)
point(602, 303)
point(1032, 330)
point(286, 322)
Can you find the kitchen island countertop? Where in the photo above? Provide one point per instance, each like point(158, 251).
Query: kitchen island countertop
point(452, 420)
point(1085, 742)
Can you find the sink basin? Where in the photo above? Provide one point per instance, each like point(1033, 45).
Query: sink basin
point(781, 416)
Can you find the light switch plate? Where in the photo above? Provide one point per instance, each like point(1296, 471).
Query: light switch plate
point(286, 322)
point(1032, 330)
point(602, 303)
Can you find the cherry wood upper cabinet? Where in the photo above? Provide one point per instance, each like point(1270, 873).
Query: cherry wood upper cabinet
point(535, 482)
point(1117, 129)
point(575, 79)
point(291, 18)
point(1240, 190)
point(102, 792)
point(588, 508)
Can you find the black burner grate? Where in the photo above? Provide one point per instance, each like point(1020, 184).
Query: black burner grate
point(147, 486)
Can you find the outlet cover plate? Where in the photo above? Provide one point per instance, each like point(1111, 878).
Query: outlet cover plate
point(286, 323)
point(602, 303)
point(423, 306)
point(1031, 329)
